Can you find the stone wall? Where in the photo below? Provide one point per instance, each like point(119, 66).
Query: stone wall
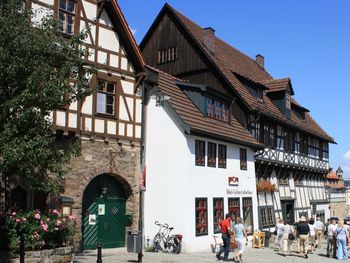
point(340, 210)
point(122, 161)
point(57, 255)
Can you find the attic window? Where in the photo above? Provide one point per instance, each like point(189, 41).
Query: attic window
point(167, 55)
point(288, 100)
point(256, 92)
point(217, 109)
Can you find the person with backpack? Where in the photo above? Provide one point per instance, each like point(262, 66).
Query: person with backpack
point(287, 237)
point(303, 230)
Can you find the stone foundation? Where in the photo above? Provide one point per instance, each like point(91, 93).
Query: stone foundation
point(57, 255)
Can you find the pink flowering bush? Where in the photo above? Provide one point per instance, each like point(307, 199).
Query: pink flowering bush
point(40, 230)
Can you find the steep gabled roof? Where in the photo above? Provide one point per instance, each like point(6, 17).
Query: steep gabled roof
point(198, 123)
point(228, 62)
point(124, 32)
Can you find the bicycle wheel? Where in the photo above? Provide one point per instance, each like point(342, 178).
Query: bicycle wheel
point(173, 245)
point(156, 246)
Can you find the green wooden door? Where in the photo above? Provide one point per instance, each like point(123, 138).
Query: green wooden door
point(111, 225)
point(104, 217)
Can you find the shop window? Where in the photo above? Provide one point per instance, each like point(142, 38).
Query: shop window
point(201, 216)
point(106, 97)
point(67, 16)
point(267, 217)
point(211, 154)
point(234, 209)
point(248, 214)
point(218, 213)
point(243, 158)
point(200, 153)
point(222, 156)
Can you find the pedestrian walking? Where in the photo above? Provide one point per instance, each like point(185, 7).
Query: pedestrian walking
point(312, 235)
point(330, 238)
point(241, 239)
point(341, 234)
point(287, 237)
point(303, 230)
point(225, 226)
point(319, 232)
point(279, 234)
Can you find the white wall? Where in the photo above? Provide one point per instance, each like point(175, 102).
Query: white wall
point(173, 181)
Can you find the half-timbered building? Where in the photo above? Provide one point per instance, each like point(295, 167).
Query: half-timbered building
point(295, 157)
point(101, 186)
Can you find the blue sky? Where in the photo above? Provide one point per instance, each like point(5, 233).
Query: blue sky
point(308, 41)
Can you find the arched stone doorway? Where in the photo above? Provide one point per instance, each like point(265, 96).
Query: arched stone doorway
point(103, 216)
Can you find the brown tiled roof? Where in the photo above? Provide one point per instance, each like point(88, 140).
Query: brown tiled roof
point(332, 175)
point(194, 118)
point(274, 85)
point(228, 61)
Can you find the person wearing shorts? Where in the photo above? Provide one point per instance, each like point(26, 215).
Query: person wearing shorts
point(241, 239)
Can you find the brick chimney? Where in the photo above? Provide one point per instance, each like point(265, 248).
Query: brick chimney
point(260, 60)
point(209, 39)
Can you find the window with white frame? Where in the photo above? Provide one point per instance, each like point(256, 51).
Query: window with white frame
point(67, 16)
point(106, 97)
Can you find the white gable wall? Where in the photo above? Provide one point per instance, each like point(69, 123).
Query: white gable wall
point(173, 181)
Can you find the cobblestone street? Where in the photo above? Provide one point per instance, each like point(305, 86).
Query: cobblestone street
point(251, 256)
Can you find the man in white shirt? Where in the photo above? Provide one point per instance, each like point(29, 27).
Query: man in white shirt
point(330, 240)
point(319, 232)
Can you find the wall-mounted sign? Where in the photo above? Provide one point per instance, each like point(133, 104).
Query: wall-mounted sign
point(92, 219)
point(239, 192)
point(101, 209)
point(233, 181)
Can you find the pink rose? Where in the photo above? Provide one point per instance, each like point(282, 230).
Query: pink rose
point(14, 213)
point(44, 227)
point(18, 220)
point(58, 222)
point(47, 219)
point(55, 211)
point(72, 218)
point(37, 216)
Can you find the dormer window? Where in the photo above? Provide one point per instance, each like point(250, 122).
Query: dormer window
point(67, 16)
point(288, 100)
point(256, 92)
point(217, 109)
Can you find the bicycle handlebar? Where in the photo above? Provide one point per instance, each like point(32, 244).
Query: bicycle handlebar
point(161, 225)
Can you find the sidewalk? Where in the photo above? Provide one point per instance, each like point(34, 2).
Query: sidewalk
point(251, 256)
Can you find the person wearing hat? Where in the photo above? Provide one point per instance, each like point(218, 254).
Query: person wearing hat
point(303, 230)
point(225, 226)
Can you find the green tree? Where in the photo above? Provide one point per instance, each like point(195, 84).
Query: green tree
point(40, 70)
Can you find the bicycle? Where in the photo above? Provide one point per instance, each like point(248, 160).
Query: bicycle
point(164, 241)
